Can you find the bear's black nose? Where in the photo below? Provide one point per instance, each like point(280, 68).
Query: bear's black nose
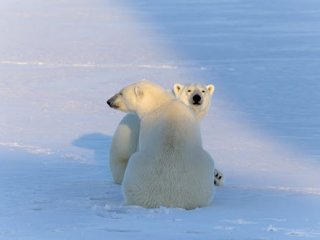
point(196, 99)
point(110, 102)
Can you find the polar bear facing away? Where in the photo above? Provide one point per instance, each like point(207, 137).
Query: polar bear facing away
point(170, 168)
point(126, 137)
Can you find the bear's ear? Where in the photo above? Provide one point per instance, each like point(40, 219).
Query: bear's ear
point(177, 88)
point(210, 88)
point(138, 91)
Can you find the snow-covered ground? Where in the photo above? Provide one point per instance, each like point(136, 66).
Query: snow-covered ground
point(60, 61)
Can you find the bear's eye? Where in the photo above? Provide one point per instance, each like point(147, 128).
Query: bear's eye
point(120, 94)
point(203, 91)
point(189, 91)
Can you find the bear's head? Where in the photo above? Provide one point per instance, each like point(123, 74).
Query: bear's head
point(196, 96)
point(141, 98)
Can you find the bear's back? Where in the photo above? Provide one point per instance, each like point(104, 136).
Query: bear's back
point(171, 125)
point(170, 168)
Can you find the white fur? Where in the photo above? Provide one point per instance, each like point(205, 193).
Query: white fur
point(187, 92)
point(126, 137)
point(124, 144)
point(170, 168)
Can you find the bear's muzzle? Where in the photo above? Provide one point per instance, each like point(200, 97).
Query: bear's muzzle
point(112, 102)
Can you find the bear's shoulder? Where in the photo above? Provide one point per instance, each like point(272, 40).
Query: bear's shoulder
point(177, 108)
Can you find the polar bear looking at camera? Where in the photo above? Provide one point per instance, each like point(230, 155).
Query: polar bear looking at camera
point(196, 96)
point(170, 168)
point(126, 137)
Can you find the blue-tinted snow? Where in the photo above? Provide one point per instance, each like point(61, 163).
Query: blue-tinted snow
point(60, 61)
point(264, 55)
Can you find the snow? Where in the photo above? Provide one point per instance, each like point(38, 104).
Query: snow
point(61, 60)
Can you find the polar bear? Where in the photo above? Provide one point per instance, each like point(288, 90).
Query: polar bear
point(170, 168)
point(126, 137)
point(197, 96)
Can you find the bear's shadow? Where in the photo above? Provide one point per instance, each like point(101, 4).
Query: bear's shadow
point(97, 142)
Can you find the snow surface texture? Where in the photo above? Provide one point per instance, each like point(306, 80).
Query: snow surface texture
point(60, 61)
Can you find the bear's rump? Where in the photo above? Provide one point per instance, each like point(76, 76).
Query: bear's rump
point(165, 182)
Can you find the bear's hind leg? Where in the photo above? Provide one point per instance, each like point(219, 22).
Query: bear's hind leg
point(218, 178)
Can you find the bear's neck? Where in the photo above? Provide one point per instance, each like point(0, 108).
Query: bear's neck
point(154, 104)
